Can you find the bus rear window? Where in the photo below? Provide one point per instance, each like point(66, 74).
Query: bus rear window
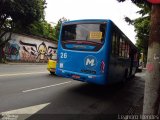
point(84, 37)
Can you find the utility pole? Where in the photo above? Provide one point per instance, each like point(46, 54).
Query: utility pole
point(152, 81)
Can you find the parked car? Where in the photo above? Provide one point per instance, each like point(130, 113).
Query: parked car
point(51, 67)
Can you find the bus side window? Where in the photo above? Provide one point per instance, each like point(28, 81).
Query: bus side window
point(126, 49)
point(127, 52)
point(117, 45)
point(135, 56)
point(120, 47)
point(123, 48)
point(113, 44)
point(130, 52)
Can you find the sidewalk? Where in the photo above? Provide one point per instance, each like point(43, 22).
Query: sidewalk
point(136, 110)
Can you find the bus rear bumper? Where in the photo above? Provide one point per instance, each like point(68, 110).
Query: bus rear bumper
point(96, 79)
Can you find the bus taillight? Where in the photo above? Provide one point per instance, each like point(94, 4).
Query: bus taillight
point(102, 66)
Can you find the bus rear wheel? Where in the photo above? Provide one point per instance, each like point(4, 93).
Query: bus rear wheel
point(52, 73)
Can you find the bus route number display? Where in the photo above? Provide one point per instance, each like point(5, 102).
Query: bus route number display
point(95, 35)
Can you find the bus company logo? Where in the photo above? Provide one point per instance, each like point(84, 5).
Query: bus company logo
point(90, 62)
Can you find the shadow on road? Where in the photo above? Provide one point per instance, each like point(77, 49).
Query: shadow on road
point(91, 102)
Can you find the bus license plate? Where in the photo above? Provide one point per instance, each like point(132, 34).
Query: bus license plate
point(75, 76)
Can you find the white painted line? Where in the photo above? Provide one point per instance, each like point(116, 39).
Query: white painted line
point(17, 74)
point(22, 113)
point(27, 110)
point(46, 86)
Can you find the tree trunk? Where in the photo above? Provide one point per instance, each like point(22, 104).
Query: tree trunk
point(152, 83)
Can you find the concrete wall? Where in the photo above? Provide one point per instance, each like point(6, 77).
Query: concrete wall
point(25, 48)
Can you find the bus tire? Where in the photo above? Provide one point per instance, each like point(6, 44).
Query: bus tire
point(52, 73)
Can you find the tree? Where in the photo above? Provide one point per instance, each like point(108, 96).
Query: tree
point(152, 81)
point(142, 27)
point(58, 26)
point(17, 15)
point(41, 28)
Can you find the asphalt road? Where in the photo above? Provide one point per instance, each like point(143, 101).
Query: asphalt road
point(30, 92)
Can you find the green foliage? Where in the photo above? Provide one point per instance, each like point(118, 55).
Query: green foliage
point(41, 28)
point(142, 28)
point(58, 26)
point(141, 25)
point(18, 15)
point(44, 29)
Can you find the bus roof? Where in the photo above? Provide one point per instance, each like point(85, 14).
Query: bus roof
point(86, 20)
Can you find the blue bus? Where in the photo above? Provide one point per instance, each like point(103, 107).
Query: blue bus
point(95, 51)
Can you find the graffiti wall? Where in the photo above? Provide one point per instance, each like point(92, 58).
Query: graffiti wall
point(29, 49)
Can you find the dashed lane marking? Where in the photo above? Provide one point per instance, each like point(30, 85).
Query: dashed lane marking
point(46, 87)
point(18, 74)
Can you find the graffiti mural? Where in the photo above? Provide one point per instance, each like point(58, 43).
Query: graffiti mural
point(29, 49)
point(12, 50)
point(33, 52)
